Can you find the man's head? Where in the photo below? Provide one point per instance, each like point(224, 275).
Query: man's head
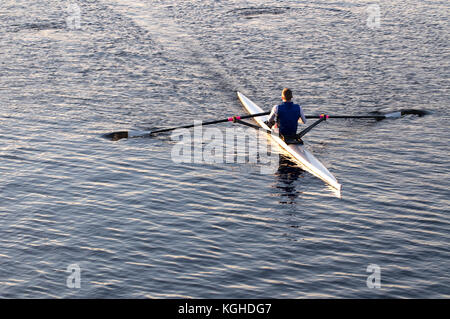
point(286, 95)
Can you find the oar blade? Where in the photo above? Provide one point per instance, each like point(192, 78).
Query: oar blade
point(419, 113)
point(393, 115)
point(115, 136)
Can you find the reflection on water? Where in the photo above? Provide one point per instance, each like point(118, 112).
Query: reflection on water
point(288, 172)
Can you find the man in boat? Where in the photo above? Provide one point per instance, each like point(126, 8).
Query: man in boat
point(286, 117)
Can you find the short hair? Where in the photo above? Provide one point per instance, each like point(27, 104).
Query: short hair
point(287, 93)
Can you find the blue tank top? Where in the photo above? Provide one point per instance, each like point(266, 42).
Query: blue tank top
point(288, 115)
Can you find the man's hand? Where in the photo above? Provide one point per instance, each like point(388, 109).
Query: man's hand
point(268, 124)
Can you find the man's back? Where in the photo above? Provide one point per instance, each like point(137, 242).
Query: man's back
point(288, 115)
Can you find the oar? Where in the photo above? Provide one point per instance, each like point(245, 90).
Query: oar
point(378, 117)
point(127, 134)
point(323, 117)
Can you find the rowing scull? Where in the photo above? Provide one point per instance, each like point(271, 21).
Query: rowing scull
point(297, 151)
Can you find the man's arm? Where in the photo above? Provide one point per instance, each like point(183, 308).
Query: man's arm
point(302, 116)
point(272, 117)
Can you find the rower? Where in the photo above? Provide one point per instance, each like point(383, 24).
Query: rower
point(286, 117)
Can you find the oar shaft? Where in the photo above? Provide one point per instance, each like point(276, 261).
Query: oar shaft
point(125, 134)
point(229, 119)
point(309, 128)
point(348, 116)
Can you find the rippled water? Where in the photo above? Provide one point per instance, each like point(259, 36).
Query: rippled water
point(139, 225)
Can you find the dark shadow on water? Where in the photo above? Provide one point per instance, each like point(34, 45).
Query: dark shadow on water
point(38, 26)
point(288, 172)
point(252, 12)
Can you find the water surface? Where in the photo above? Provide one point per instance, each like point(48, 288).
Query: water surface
point(141, 226)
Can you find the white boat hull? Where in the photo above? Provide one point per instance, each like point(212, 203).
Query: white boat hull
point(297, 151)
